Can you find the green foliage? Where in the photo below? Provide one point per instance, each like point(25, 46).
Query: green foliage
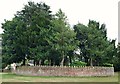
point(107, 65)
point(25, 37)
point(116, 60)
point(36, 34)
point(64, 38)
point(46, 62)
point(95, 47)
point(78, 63)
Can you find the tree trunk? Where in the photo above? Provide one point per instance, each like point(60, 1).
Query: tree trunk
point(42, 62)
point(39, 62)
point(70, 60)
point(51, 62)
point(61, 64)
point(24, 61)
point(91, 62)
point(66, 61)
point(34, 62)
point(86, 61)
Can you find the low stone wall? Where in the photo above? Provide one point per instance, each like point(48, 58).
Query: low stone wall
point(64, 71)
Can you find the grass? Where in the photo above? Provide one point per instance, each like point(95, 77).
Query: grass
point(9, 77)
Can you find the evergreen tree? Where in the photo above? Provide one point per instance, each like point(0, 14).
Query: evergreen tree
point(64, 37)
point(93, 43)
point(26, 36)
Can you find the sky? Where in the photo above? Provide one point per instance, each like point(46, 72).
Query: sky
point(103, 11)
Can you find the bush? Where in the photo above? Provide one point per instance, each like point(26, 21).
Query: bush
point(78, 63)
point(46, 62)
point(108, 65)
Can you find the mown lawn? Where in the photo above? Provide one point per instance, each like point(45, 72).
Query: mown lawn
point(9, 77)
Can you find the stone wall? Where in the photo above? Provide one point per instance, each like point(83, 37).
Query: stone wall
point(64, 71)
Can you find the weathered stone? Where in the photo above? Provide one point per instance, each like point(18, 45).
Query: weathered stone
point(64, 71)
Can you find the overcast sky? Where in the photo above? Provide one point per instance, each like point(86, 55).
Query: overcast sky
point(103, 11)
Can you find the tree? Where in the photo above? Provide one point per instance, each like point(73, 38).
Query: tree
point(35, 34)
point(27, 34)
point(11, 50)
point(116, 59)
point(94, 45)
point(64, 37)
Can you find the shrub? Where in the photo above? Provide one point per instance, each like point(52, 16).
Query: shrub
point(108, 65)
point(78, 63)
point(46, 62)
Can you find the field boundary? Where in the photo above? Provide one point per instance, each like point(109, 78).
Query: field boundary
point(64, 71)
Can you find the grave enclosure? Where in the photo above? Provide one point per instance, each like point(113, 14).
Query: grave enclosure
point(64, 71)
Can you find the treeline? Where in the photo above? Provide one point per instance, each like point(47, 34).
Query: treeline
point(37, 34)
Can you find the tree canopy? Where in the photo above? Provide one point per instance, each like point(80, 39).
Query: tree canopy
point(36, 34)
point(95, 48)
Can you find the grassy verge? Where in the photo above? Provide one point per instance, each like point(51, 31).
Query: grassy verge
point(9, 77)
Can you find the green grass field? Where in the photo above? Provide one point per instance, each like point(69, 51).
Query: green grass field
point(9, 77)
